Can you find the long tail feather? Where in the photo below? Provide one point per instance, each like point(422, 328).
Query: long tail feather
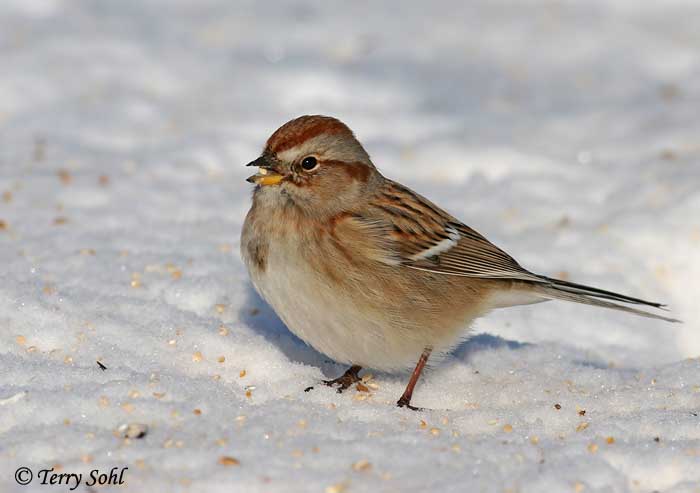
point(572, 287)
point(578, 293)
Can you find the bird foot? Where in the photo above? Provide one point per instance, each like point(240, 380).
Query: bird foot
point(403, 402)
point(346, 379)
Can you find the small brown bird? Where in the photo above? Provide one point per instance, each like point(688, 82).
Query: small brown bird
point(366, 270)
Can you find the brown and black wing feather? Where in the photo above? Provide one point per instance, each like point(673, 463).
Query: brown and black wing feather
point(425, 237)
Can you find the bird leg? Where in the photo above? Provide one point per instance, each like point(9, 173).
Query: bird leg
point(405, 400)
point(346, 379)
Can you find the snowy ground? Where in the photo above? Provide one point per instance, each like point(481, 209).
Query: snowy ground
point(566, 132)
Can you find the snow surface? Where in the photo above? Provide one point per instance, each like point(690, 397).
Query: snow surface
point(567, 132)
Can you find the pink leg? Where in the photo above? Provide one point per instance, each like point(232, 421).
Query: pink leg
point(405, 400)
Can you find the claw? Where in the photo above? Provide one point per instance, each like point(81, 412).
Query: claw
point(346, 379)
point(404, 403)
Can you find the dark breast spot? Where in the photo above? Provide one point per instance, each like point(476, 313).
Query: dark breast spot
point(258, 253)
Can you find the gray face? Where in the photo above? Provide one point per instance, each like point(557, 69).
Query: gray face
point(323, 175)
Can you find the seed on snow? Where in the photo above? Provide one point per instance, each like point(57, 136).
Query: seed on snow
point(226, 460)
point(362, 465)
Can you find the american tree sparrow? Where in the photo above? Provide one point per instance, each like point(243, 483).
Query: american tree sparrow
point(366, 270)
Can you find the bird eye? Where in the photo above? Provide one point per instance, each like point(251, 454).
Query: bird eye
point(309, 163)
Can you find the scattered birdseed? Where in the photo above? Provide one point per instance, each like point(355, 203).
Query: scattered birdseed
point(223, 331)
point(64, 176)
point(86, 251)
point(493, 422)
point(103, 180)
point(133, 430)
point(248, 394)
point(582, 412)
point(134, 394)
point(7, 196)
point(337, 488)
point(127, 407)
point(197, 412)
point(221, 442)
point(3, 225)
point(657, 439)
point(361, 465)
point(87, 459)
point(360, 397)
point(220, 308)
point(593, 448)
point(226, 460)
point(367, 377)
point(158, 395)
point(249, 387)
point(32, 349)
point(557, 406)
point(197, 357)
point(361, 387)
point(221, 359)
point(172, 342)
point(297, 453)
point(423, 425)
point(242, 373)
point(582, 426)
point(103, 401)
point(579, 487)
point(508, 428)
point(610, 440)
point(456, 448)
point(435, 431)
point(534, 439)
point(59, 220)
point(21, 340)
point(68, 360)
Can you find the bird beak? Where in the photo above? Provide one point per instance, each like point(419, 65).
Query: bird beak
point(266, 175)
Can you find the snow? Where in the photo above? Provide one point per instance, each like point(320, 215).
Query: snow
point(565, 132)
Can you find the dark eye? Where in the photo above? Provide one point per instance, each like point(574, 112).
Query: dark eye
point(309, 163)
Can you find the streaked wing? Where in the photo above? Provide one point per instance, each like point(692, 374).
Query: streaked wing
point(405, 229)
point(427, 238)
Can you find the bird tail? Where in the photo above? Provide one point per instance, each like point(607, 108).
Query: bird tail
point(555, 289)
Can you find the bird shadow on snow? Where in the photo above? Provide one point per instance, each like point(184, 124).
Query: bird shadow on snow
point(484, 342)
point(260, 317)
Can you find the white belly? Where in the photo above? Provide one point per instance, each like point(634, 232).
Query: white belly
point(333, 325)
